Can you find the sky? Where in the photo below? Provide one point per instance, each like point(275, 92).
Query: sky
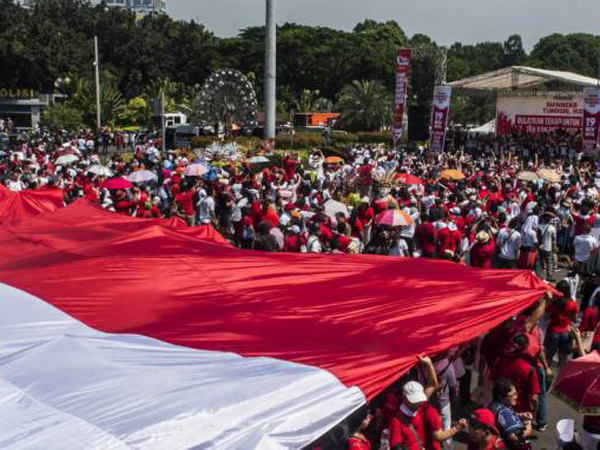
point(446, 21)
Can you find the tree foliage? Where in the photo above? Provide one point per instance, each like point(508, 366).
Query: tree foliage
point(54, 39)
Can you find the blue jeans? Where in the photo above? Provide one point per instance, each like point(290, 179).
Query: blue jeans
point(557, 342)
point(542, 408)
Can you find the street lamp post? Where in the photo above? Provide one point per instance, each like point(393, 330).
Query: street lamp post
point(270, 70)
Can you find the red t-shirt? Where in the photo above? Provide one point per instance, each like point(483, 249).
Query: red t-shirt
point(561, 318)
point(523, 375)
point(448, 240)
point(269, 216)
point(581, 221)
point(589, 322)
point(481, 254)
point(425, 238)
point(400, 433)
point(358, 443)
point(366, 215)
point(186, 200)
point(432, 422)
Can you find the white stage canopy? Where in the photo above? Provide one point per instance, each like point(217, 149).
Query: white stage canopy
point(519, 77)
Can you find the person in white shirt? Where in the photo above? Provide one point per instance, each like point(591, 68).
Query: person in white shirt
point(547, 238)
point(206, 207)
point(313, 244)
point(584, 244)
point(508, 245)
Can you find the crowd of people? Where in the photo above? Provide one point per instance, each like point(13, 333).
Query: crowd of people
point(487, 203)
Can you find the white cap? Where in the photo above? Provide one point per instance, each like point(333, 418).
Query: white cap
point(365, 200)
point(413, 392)
point(565, 429)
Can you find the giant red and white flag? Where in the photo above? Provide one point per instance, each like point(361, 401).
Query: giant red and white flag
point(121, 333)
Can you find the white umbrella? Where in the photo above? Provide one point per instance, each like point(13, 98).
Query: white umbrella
point(332, 207)
point(67, 159)
point(195, 170)
point(141, 176)
point(99, 169)
point(258, 160)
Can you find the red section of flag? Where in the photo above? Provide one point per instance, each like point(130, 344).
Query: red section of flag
point(363, 318)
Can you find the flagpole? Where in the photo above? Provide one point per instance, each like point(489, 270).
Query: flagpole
point(97, 76)
point(270, 69)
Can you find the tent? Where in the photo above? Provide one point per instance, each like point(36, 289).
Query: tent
point(124, 333)
point(520, 77)
point(486, 128)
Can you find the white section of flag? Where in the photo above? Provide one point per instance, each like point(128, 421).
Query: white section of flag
point(64, 385)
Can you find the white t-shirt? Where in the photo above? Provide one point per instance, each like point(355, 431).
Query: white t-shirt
point(584, 245)
point(548, 235)
point(509, 242)
point(313, 245)
point(206, 206)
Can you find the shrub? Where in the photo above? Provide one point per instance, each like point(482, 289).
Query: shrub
point(382, 137)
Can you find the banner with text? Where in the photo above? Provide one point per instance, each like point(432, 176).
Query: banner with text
point(439, 118)
point(591, 118)
point(402, 69)
point(539, 113)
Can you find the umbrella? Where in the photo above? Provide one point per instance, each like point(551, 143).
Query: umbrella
point(334, 160)
point(452, 174)
point(118, 183)
point(99, 169)
point(394, 218)
point(66, 159)
point(142, 176)
point(527, 176)
point(578, 384)
point(332, 207)
point(195, 170)
point(258, 160)
point(549, 175)
point(407, 178)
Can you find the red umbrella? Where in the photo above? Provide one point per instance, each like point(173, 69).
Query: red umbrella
point(407, 178)
point(118, 183)
point(578, 384)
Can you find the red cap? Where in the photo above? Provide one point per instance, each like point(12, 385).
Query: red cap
point(487, 419)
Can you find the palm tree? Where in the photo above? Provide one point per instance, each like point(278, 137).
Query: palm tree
point(83, 98)
point(364, 105)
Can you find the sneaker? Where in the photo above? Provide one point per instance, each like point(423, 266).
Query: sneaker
point(541, 427)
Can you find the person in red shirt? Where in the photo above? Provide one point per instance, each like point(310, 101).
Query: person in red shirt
point(267, 214)
point(425, 235)
point(517, 367)
point(358, 440)
point(411, 428)
point(366, 215)
point(448, 241)
point(186, 202)
point(482, 250)
point(294, 241)
point(483, 433)
point(562, 313)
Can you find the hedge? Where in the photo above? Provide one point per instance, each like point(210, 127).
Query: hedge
point(305, 139)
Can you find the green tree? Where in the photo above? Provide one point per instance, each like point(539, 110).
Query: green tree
point(365, 106)
point(62, 117)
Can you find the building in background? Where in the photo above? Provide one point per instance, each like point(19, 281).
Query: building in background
point(140, 7)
